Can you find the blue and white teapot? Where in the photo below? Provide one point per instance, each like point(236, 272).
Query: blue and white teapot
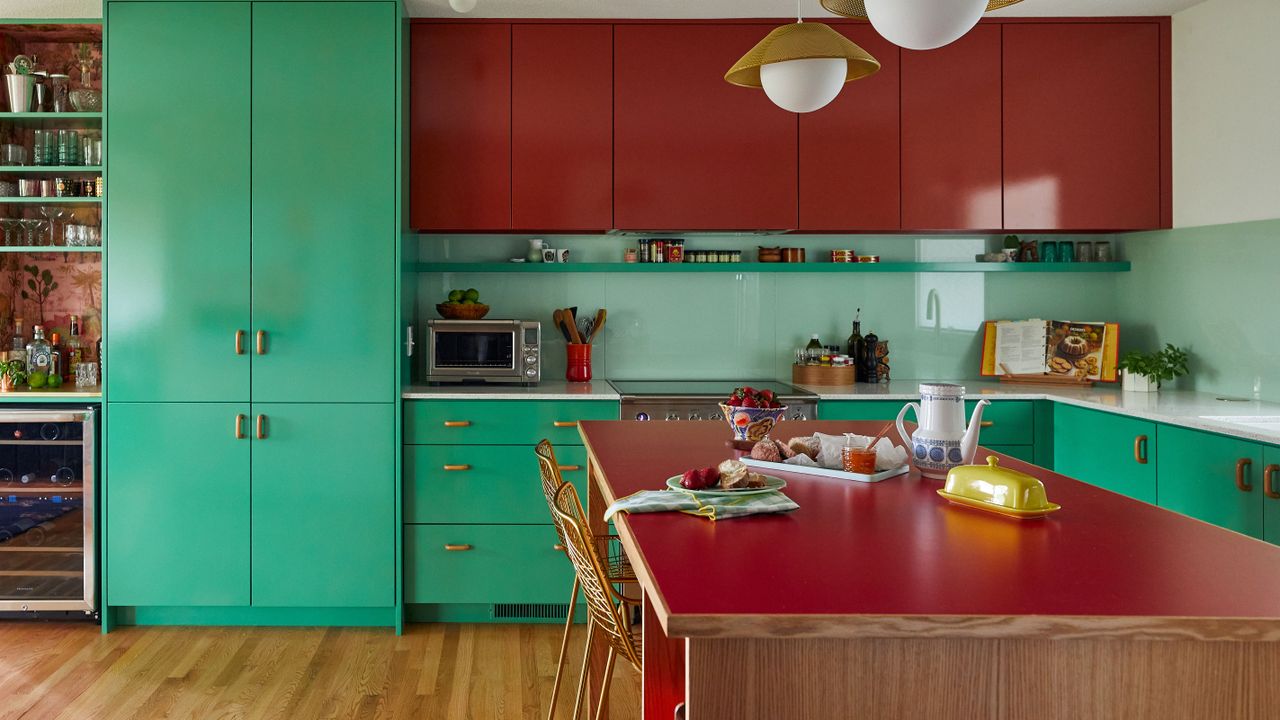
point(941, 440)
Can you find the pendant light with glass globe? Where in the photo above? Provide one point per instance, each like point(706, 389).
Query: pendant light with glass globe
point(918, 24)
point(802, 66)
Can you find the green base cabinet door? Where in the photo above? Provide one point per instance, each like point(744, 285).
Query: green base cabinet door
point(324, 505)
point(1004, 422)
point(496, 484)
point(1107, 450)
point(324, 200)
point(178, 215)
point(1271, 519)
point(1214, 478)
point(178, 498)
point(485, 564)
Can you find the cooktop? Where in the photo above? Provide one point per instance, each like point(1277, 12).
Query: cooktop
point(704, 388)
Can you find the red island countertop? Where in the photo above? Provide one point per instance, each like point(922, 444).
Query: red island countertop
point(893, 559)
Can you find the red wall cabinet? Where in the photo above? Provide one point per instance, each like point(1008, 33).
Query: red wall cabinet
point(849, 150)
point(562, 127)
point(1082, 126)
point(951, 174)
point(692, 152)
point(460, 127)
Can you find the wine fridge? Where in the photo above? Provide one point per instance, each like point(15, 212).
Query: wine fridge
point(47, 549)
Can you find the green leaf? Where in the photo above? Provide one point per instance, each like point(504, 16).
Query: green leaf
point(46, 276)
point(32, 284)
point(52, 288)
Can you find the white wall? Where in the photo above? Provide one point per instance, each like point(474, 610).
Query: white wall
point(1226, 112)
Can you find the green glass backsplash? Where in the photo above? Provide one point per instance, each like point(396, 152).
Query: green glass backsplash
point(729, 325)
point(1213, 290)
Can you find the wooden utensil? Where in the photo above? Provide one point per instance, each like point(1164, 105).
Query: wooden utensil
point(571, 325)
point(601, 316)
point(880, 434)
point(557, 317)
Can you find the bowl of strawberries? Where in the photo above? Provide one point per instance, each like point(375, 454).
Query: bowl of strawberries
point(752, 413)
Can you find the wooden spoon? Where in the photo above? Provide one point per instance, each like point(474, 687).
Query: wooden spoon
point(572, 326)
point(601, 316)
point(557, 317)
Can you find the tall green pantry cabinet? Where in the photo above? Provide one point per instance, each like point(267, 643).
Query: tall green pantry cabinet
point(252, 405)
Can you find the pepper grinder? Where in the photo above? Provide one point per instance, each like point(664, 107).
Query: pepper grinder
point(870, 365)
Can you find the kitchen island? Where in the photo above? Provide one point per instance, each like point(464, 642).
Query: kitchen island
point(882, 600)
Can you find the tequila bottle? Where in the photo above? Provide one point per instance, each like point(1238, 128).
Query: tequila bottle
point(39, 352)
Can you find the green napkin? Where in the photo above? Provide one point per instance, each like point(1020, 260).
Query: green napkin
point(715, 507)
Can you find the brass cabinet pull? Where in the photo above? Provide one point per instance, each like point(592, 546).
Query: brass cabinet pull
point(570, 468)
point(558, 547)
point(260, 342)
point(455, 468)
point(1241, 465)
point(565, 423)
point(457, 548)
point(1269, 481)
point(240, 426)
point(260, 430)
point(1140, 449)
point(986, 423)
point(457, 423)
point(239, 342)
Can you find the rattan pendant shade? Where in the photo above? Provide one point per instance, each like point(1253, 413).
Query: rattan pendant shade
point(856, 8)
point(801, 41)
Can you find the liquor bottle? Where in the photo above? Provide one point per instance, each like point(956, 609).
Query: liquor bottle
point(857, 346)
point(75, 351)
point(55, 355)
point(813, 351)
point(19, 349)
point(39, 353)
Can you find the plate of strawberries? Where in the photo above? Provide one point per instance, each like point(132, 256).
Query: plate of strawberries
point(730, 477)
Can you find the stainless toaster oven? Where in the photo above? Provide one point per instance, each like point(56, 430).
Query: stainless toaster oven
point(484, 351)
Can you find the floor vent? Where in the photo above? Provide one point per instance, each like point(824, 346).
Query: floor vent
point(530, 611)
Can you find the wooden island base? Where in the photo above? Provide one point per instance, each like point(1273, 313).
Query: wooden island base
point(976, 679)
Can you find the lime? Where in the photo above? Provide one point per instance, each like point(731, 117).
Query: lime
point(54, 381)
point(468, 301)
point(472, 294)
point(455, 295)
point(37, 379)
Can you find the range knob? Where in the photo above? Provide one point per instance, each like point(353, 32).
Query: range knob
point(695, 415)
point(798, 416)
point(673, 416)
point(642, 416)
point(715, 416)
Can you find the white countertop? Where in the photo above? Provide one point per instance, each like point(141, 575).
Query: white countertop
point(546, 390)
point(1173, 407)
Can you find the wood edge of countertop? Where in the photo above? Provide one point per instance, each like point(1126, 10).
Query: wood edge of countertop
point(995, 627)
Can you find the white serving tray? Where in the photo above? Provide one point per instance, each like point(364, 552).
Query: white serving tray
point(826, 472)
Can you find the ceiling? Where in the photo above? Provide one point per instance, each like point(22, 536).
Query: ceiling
point(645, 8)
point(759, 8)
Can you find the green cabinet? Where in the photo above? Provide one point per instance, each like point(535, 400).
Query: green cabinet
point(323, 501)
point(1108, 450)
point(1271, 491)
point(1214, 478)
point(490, 484)
point(324, 200)
point(253, 271)
point(485, 564)
point(178, 271)
point(501, 422)
point(178, 504)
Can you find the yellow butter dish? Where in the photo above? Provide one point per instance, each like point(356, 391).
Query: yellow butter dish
point(999, 490)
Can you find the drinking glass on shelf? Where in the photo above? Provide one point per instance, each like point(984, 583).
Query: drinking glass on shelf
point(93, 236)
point(11, 154)
point(33, 228)
point(37, 147)
point(54, 213)
point(10, 227)
point(74, 235)
point(87, 374)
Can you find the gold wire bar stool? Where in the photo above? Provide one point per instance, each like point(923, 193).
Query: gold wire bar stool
point(608, 610)
point(617, 569)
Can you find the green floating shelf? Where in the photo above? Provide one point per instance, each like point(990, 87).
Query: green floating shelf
point(47, 249)
point(751, 267)
point(50, 168)
point(60, 119)
point(53, 200)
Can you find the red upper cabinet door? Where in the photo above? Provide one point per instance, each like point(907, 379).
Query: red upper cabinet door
point(562, 127)
point(691, 151)
point(460, 120)
point(849, 160)
point(951, 175)
point(1082, 126)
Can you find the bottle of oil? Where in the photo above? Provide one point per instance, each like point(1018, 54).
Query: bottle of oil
point(856, 346)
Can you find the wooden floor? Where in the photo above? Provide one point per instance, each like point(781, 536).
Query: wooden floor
point(432, 672)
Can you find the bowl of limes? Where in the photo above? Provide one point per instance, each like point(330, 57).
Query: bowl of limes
point(463, 305)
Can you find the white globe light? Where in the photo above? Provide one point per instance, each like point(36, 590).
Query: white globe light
point(803, 86)
point(462, 6)
point(924, 24)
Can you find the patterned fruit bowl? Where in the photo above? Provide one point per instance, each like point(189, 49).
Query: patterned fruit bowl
point(752, 423)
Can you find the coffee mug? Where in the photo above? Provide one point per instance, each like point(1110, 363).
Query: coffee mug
point(562, 255)
point(548, 255)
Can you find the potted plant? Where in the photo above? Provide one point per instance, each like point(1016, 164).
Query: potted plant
point(1143, 372)
point(12, 374)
